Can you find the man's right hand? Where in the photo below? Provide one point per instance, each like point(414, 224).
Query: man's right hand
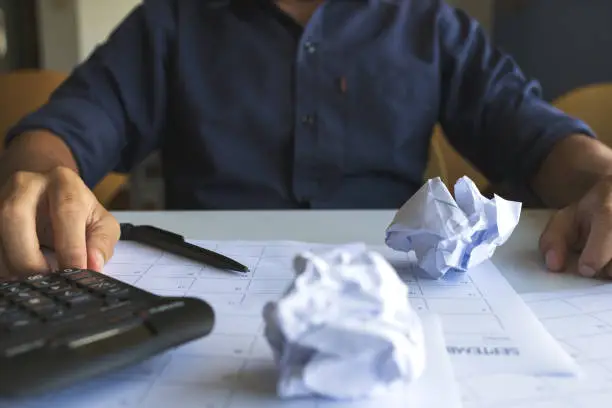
point(55, 210)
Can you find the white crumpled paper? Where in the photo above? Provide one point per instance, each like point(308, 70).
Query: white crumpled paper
point(345, 328)
point(452, 234)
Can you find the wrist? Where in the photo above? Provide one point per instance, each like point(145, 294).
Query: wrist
point(574, 166)
point(37, 151)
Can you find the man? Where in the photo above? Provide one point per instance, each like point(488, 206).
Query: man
point(293, 104)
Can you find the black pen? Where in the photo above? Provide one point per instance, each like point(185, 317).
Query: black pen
point(176, 245)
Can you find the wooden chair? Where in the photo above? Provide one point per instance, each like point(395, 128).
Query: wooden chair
point(436, 167)
point(23, 91)
point(449, 165)
point(592, 104)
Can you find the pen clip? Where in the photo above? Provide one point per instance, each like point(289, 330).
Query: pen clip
point(130, 231)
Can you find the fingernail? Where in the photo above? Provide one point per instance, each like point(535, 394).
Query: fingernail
point(587, 271)
point(99, 260)
point(551, 260)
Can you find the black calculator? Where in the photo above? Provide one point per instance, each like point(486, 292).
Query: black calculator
point(62, 328)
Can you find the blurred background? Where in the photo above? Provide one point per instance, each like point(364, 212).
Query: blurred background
point(565, 44)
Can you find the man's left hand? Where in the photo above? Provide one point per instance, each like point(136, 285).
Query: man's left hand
point(584, 227)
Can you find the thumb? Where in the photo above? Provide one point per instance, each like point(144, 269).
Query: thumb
point(102, 236)
point(557, 239)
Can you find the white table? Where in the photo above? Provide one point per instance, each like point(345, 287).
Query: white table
point(519, 259)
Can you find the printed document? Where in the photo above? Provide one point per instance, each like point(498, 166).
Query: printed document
point(487, 326)
point(232, 367)
point(581, 321)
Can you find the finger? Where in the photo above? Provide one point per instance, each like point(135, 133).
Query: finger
point(606, 272)
point(597, 251)
point(558, 238)
point(102, 237)
point(5, 271)
point(20, 243)
point(70, 207)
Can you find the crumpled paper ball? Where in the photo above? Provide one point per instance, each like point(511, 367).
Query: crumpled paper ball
point(345, 328)
point(449, 233)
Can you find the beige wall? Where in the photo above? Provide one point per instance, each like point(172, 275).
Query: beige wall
point(70, 29)
point(96, 19)
point(57, 34)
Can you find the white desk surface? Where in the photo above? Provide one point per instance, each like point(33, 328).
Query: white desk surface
point(519, 259)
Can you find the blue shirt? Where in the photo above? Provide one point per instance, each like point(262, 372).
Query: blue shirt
point(251, 111)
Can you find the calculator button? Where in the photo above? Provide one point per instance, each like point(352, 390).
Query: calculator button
point(117, 292)
point(76, 297)
point(34, 278)
point(69, 293)
point(23, 296)
point(50, 313)
point(7, 284)
point(110, 288)
point(75, 276)
point(57, 288)
point(36, 299)
point(14, 289)
point(69, 271)
point(54, 314)
point(82, 300)
point(39, 303)
point(103, 285)
point(89, 282)
point(63, 317)
point(44, 283)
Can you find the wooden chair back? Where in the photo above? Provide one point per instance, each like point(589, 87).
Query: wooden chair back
point(449, 165)
point(592, 104)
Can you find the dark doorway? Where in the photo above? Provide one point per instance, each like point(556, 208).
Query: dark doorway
point(18, 35)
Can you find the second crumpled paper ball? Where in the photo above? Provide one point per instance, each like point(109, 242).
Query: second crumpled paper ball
point(345, 328)
point(447, 233)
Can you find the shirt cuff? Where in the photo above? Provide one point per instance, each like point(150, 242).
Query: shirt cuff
point(88, 132)
point(542, 146)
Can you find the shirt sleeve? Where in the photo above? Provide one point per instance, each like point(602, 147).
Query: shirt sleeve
point(491, 113)
point(111, 109)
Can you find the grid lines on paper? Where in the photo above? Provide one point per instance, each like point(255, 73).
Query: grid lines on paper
point(581, 321)
point(236, 351)
point(231, 357)
point(456, 298)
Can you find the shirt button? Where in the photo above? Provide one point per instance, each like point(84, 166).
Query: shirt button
point(308, 120)
point(310, 47)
